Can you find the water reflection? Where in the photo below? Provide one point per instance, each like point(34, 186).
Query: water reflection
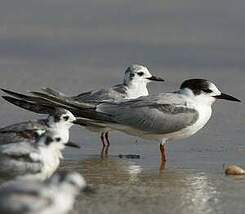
point(106, 170)
point(177, 190)
point(134, 171)
point(200, 195)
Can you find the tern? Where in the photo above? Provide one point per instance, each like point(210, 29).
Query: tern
point(33, 159)
point(134, 85)
point(165, 117)
point(56, 195)
point(59, 121)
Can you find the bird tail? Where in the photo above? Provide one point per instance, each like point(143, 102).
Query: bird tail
point(43, 103)
point(30, 106)
point(48, 99)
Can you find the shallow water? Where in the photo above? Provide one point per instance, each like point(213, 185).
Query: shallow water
point(126, 186)
point(76, 46)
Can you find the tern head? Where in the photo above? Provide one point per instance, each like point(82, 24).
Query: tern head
point(139, 74)
point(205, 90)
point(63, 117)
point(71, 181)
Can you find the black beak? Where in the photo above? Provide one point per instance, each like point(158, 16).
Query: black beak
point(74, 121)
point(79, 122)
point(227, 97)
point(154, 78)
point(88, 190)
point(71, 144)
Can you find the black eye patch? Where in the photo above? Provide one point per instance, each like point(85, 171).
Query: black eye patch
point(66, 118)
point(58, 139)
point(140, 73)
point(207, 90)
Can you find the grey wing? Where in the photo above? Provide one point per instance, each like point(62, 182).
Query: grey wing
point(15, 137)
point(18, 149)
point(18, 158)
point(28, 125)
point(93, 96)
point(23, 197)
point(158, 116)
point(160, 119)
point(117, 92)
point(89, 96)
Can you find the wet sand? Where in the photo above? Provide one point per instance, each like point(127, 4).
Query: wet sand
point(77, 46)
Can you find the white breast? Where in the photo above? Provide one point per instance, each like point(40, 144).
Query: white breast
point(137, 90)
point(51, 160)
point(204, 114)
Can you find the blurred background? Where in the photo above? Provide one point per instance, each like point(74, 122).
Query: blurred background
point(75, 46)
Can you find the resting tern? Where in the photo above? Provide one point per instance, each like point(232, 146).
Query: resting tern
point(56, 195)
point(37, 158)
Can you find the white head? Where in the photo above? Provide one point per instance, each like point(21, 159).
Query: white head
point(204, 90)
point(62, 117)
point(138, 74)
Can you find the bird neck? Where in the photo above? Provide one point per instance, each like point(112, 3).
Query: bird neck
point(51, 158)
point(136, 89)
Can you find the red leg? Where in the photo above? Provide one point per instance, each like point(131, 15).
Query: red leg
point(163, 157)
point(163, 153)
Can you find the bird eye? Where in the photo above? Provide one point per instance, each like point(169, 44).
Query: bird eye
point(140, 73)
point(57, 139)
point(207, 90)
point(66, 118)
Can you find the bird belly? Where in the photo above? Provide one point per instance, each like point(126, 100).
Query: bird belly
point(204, 116)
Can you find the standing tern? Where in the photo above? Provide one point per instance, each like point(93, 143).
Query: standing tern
point(134, 85)
point(35, 159)
point(56, 195)
point(166, 117)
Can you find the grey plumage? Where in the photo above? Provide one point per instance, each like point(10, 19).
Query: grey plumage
point(56, 195)
point(20, 158)
point(161, 114)
point(58, 121)
point(134, 85)
point(32, 159)
point(28, 125)
point(116, 93)
point(27, 131)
